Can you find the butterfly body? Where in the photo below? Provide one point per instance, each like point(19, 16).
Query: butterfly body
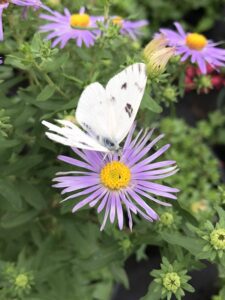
point(105, 114)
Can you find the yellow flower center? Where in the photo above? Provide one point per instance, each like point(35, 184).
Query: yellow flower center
point(4, 1)
point(115, 175)
point(117, 21)
point(80, 20)
point(196, 41)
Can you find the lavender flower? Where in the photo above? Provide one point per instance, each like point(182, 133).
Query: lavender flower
point(26, 3)
point(131, 28)
point(62, 28)
point(196, 46)
point(119, 180)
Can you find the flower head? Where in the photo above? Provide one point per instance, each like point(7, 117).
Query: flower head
point(196, 46)
point(119, 180)
point(80, 27)
point(25, 3)
point(131, 28)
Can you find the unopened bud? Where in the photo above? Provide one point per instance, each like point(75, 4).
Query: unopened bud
point(157, 56)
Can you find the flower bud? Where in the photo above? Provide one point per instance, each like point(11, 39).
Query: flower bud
point(171, 282)
point(157, 56)
point(217, 239)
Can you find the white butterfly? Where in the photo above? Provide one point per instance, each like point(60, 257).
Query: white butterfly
point(105, 114)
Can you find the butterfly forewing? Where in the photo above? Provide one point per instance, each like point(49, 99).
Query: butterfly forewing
point(107, 114)
point(124, 94)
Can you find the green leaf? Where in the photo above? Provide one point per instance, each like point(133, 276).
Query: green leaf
point(193, 245)
point(119, 274)
point(32, 195)
point(56, 63)
point(10, 193)
point(11, 220)
point(154, 292)
point(46, 93)
point(150, 104)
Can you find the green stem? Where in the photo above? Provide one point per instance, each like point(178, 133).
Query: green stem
point(50, 82)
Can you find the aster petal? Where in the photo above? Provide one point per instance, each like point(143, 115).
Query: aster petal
point(106, 214)
point(141, 192)
point(112, 207)
point(180, 29)
point(141, 203)
point(103, 202)
point(87, 200)
point(84, 192)
point(153, 166)
point(119, 211)
point(75, 162)
point(138, 156)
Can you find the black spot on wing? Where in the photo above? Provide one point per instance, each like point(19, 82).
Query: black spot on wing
point(140, 89)
point(139, 68)
point(112, 99)
point(124, 86)
point(83, 143)
point(86, 126)
point(129, 109)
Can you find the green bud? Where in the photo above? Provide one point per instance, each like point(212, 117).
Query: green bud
point(167, 219)
point(22, 281)
point(205, 81)
point(217, 239)
point(171, 282)
point(170, 93)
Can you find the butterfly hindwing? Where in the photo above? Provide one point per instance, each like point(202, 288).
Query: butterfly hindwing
point(70, 135)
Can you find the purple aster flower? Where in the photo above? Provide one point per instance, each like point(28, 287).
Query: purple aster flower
point(62, 28)
point(26, 3)
point(119, 180)
point(1, 61)
point(196, 46)
point(131, 28)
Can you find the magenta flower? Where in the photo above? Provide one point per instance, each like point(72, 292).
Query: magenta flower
point(131, 28)
point(118, 181)
point(26, 3)
point(62, 28)
point(196, 46)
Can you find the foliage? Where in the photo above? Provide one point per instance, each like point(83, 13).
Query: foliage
point(48, 253)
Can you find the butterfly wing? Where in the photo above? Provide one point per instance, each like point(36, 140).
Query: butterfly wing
point(124, 94)
point(93, 113)
point(107, 114)
point(70, 135)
